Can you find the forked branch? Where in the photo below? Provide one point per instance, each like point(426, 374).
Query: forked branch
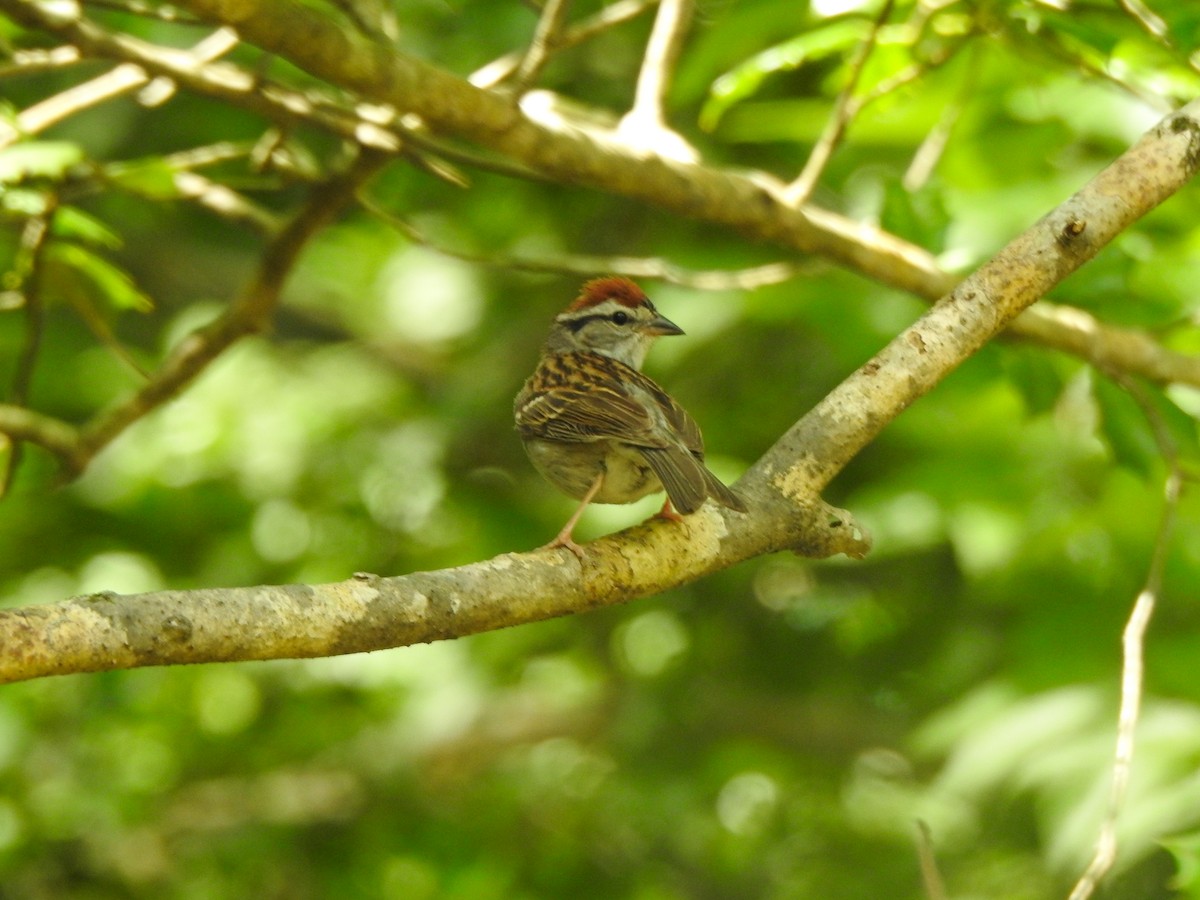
point(782, 489)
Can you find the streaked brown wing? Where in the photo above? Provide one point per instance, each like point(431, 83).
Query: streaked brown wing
point(554, 406)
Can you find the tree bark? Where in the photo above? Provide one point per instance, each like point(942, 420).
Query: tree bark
point(782, 489)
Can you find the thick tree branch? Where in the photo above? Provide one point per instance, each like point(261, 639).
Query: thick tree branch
point(982, 305)
point(369, 612)
point(751, 204)
point(108, 631)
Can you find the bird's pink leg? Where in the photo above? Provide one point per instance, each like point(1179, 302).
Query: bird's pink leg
point(668, 512)
point(563, 538)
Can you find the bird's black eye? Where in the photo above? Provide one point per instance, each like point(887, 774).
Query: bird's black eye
point(620, 317)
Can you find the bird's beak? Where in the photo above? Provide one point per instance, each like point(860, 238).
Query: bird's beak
point(660, 326)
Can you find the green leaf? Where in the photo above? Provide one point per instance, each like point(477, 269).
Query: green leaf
point(1128, 430)
point(23, 203)
point(1182, 426)
point(151, 177)
point(1186, 850)
point(920, 215)
point(73, 223)
point(38, 159)
point(1123, 425)
point(1036, 376)
point(745, 80)
point(113, 284)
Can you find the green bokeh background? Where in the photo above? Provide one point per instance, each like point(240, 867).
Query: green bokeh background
point(774, 731)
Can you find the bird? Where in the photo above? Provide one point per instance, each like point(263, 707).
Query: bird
point(596, 427)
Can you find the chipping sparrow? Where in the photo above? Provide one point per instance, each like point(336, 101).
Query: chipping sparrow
point(600, 430)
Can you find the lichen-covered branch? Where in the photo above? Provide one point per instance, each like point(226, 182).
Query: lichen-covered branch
point(851, 415)
point(370, 612)
point(109, 631)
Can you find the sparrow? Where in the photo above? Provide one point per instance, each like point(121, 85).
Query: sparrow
point(597, 428)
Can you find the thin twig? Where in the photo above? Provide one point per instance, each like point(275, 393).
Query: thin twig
point(798, 192)
point(34, 60)
point(37, 118)
point(630, 266)
point(927, 155)
point(546, 38)
point(119, 80)
point(227, 203)
point(500, 69)
point(644, 127)
point(55, 435)
point(251, 312)
point(1154, 25)
point(1051, 42)
point(1133, 651)
point(1147, 19)
point(931, 878)
point(228, 82)
point(164, 13)
point(29, 270)
point(658, 65)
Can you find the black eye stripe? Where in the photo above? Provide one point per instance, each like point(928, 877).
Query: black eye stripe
point(577, 322)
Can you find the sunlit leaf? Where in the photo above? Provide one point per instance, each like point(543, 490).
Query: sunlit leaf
point(23, 202)
point(38, 159)
point(73, 223)
point(745, 80)
point(1186, 850)
point(101, 277)
point(152, 177)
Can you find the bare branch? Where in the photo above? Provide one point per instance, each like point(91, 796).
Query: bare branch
point(163, 12)
point(615, 14)
point(748, 203)
point(1147, 19)
point(546, 37)
point(977, 309)
point(222, 80)
point(1133, 652)
point(29, 271)
point(61, 439)
point(226, 202)
point(927, 155)
point(798, 192)
point(931, 878)
point(27, 62)
point(368, 612)
point(644, 127)
point(120, 80)
point(250, 312)
point(1154, 25)
point(576, 264)
point(110, 631)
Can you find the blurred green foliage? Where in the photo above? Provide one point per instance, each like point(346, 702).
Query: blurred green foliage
point(775, 731)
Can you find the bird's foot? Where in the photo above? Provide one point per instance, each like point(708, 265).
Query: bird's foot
point(563, 539)
point(668, 512)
